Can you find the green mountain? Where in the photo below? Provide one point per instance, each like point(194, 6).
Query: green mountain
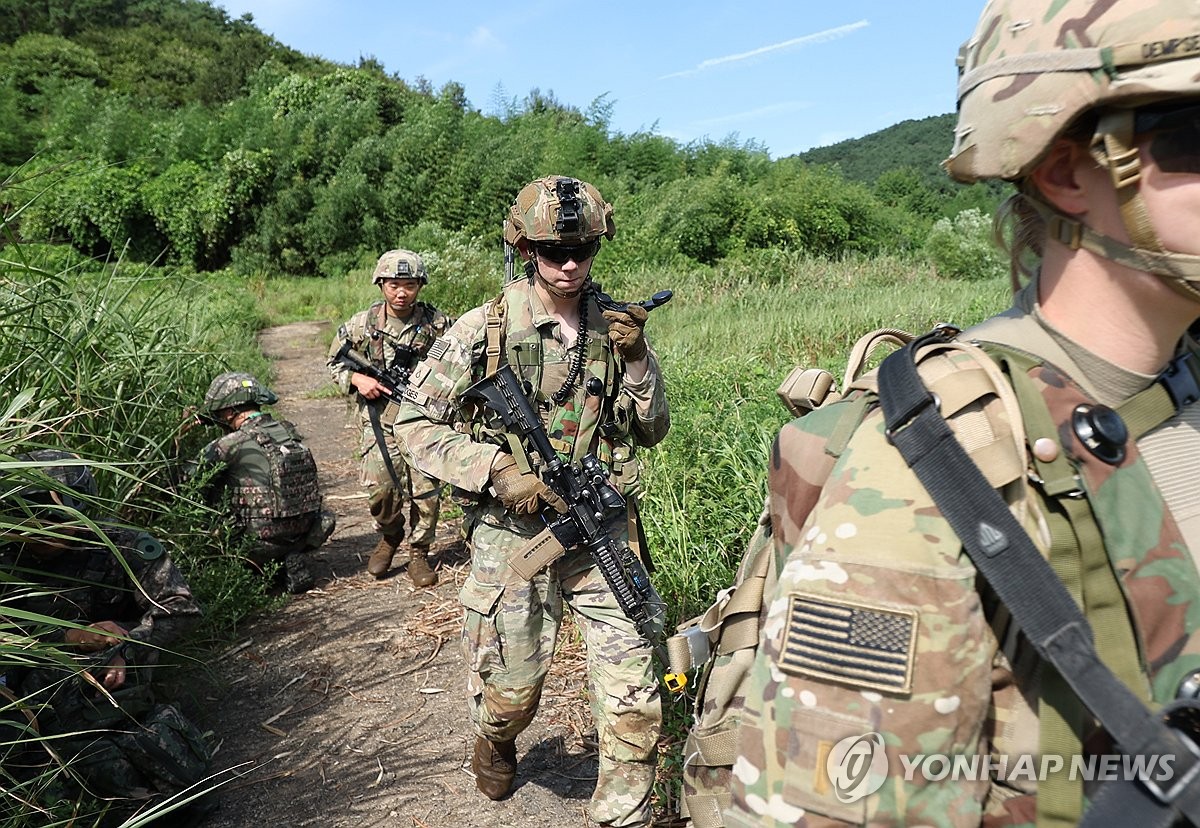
point(175, 133)
point(919, 144)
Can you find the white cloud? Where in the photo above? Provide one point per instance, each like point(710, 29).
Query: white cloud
point(484, 38)
point(806, 40)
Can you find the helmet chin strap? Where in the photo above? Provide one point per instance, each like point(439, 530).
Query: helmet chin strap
point(1113, 147)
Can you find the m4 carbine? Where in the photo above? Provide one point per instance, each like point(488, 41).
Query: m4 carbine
point(394, 379)
point(592, 507)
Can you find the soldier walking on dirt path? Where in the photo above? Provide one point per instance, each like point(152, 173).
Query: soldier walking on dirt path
point(392, 335)
point(596, 383)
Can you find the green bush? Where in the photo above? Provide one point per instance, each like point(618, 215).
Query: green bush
point(962, 247)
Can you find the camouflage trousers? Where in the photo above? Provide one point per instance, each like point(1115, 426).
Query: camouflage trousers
point(421, 494)
point(509, 631)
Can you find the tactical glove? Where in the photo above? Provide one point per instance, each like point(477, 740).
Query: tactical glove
point(521, 493)
point(626, 330)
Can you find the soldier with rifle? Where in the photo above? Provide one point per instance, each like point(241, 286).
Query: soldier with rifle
point(371, 358)
point(532, 408)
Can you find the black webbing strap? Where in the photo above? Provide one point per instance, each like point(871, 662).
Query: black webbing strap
point(1022, 579)
point(381, 441)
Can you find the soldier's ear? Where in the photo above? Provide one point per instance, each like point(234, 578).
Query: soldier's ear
point(523, 248)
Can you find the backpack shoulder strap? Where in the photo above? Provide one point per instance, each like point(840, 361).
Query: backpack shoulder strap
point(494, 334)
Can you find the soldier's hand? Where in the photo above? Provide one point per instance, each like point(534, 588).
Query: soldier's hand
point(370, 388)
point(113, 676)
point(98, 636)
point(521, 493)
point(626, 330)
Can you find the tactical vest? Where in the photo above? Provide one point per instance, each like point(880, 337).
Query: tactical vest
point(606, 431)
point(1113, 543)
point(281, 508)
point(422, 337)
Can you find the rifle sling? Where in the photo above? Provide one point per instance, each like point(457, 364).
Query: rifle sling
point(381, 442)
point(1039, 603)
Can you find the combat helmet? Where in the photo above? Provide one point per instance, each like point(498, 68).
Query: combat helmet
point(233, 389)
point(559, 209)
point(78, 486)
point(1032, 71)
point(400, 264)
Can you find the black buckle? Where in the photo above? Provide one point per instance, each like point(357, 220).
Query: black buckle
point(1179, 379)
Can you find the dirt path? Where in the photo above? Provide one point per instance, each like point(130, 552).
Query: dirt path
point(347, 707)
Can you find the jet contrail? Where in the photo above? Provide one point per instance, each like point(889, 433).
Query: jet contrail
point(817, 37)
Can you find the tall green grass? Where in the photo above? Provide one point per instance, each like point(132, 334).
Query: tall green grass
point(102, 361)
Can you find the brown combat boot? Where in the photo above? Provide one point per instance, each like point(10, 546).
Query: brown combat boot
point(495, 767)
point(381, 558)
point(419, 570)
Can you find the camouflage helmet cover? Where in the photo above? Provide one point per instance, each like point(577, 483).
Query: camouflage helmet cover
point(559, 209)
point(400, 264)
point(73, 476)
point(1032, 68)
point(235, 388)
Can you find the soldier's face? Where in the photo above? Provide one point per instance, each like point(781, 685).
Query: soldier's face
point(400, 294)
point(565, 278)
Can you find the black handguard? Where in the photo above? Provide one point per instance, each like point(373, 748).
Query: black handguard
point(593, 506)
point(393, 381)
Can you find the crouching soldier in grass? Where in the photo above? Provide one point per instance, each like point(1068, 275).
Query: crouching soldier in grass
point(95, 604)
point(266, 477)
point(392, 335)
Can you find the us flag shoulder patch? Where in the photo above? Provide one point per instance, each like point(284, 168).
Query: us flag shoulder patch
point(851, 643)
point(438, 349)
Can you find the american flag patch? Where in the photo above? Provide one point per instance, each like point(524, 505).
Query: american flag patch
point(862, 646)
point(438, 349)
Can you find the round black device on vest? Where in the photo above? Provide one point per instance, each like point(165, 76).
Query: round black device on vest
point(1102, 432)
point(594, 386)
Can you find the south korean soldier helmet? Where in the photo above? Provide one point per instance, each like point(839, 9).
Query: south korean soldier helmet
point(559, 209)
point(400, 264)
point(1031, 69)
point(78, 486)
point(234, 389)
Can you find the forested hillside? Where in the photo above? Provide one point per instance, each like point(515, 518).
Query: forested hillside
point(164, 131)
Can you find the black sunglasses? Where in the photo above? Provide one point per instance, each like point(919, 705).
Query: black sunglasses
point(562, 253)
point(1175, 142)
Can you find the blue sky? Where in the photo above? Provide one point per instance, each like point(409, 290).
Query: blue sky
point(789, 75)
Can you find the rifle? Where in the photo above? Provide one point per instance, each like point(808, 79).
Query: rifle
point(394, 379)
point(592, 507)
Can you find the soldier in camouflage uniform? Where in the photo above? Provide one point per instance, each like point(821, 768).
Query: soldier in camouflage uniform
point(1093, 109)
point(132, 747)
point(267, 475)
point(393, 335)
point(598, 387)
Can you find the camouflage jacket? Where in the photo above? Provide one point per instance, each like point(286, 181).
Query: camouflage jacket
point(88, 583)
point(268, 476)
point(879, 625)
point(377, 335)
point(605, 414)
